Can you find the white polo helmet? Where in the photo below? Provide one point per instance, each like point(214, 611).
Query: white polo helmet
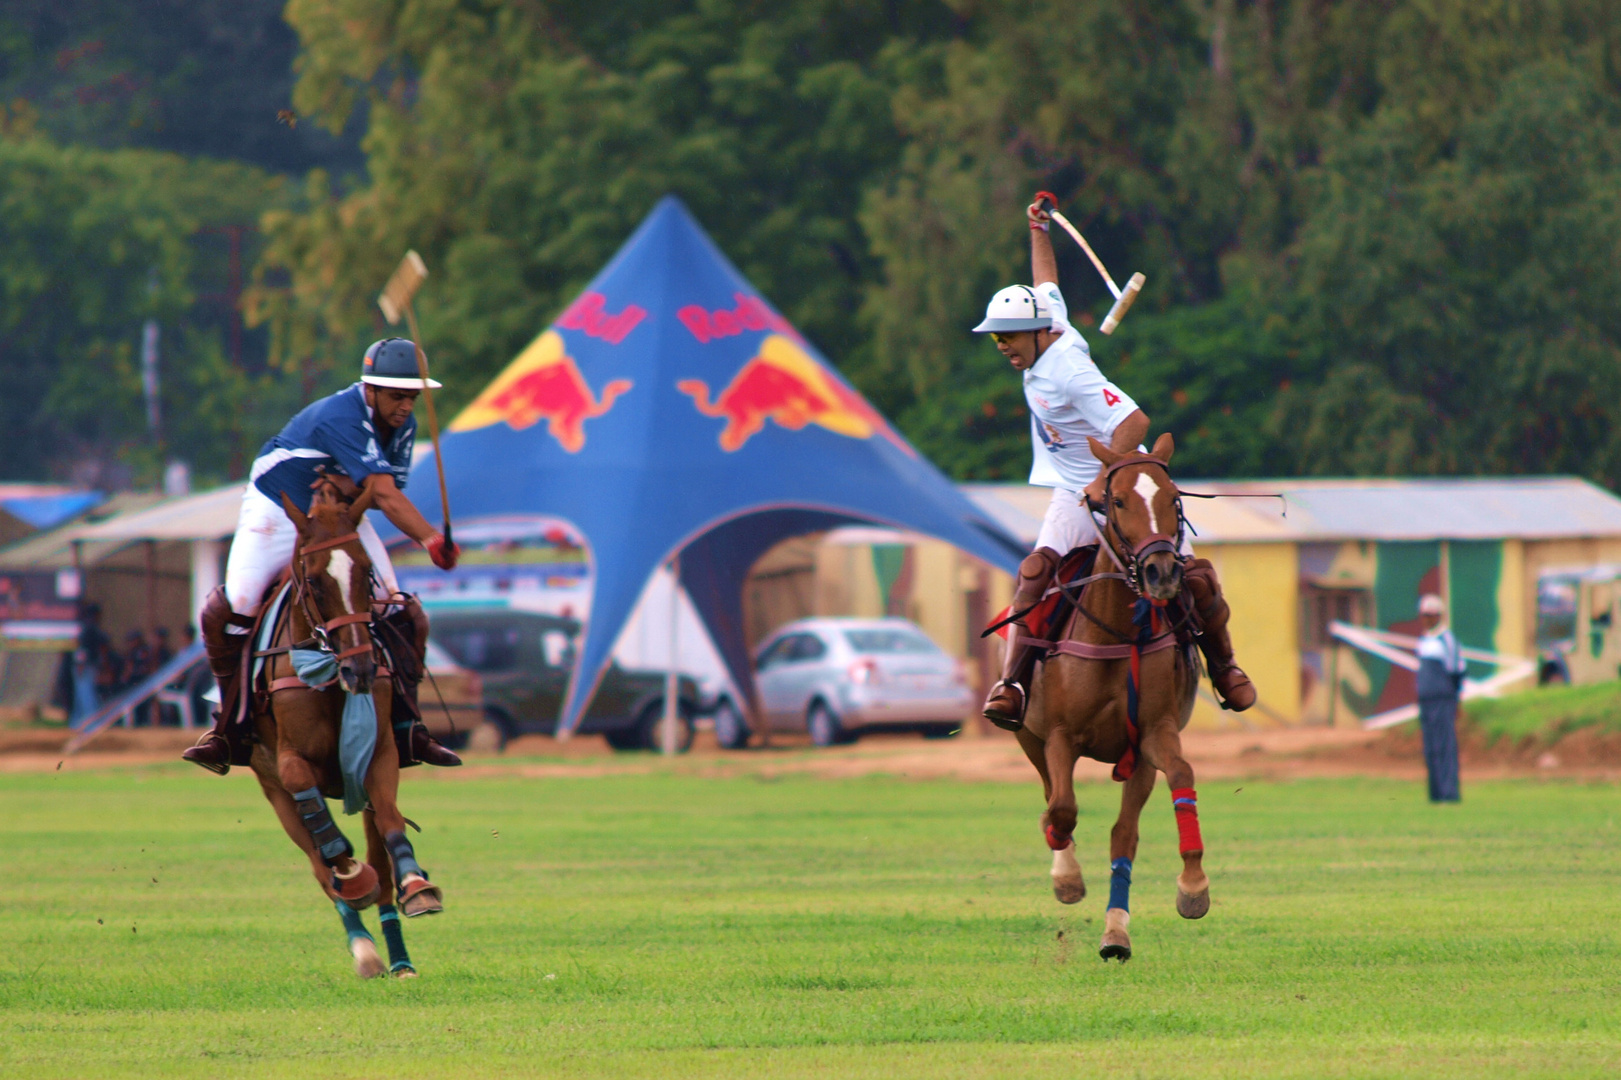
point(1017, 307)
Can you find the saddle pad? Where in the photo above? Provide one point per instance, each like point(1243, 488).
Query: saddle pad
point(267, 631)
point(1039, 623)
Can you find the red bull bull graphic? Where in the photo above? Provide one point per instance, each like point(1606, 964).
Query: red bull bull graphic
point(543, 383)
point(784, 383)
point(751, 313)
point(589, 314)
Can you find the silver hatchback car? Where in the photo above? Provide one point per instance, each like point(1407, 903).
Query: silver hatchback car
point(837, 678)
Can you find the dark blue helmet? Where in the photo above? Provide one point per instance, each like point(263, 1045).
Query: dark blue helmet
point(393, 362)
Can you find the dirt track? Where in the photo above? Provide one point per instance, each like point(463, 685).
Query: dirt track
point(1274, 754)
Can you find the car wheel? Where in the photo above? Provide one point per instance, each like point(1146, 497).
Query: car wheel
point(627, 738)
point(824, 727)
point(941, 731)
point(731, 730)
point(651, 720)
point(494, 733)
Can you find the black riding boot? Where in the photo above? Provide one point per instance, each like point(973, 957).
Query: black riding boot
point(1006, 704)
point(214, 751)
point(411, 738)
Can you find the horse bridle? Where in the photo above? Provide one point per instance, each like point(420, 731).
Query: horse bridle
point(1131, 563)
point(322, 631)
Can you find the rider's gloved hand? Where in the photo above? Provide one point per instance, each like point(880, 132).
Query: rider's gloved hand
point(444, 555)
point(1040, 218)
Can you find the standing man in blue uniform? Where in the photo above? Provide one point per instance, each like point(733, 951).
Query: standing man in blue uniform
point(1440, 684)
point(361, 437)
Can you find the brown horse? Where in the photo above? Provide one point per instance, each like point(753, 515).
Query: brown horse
point(297, 758)
point(1118, 644)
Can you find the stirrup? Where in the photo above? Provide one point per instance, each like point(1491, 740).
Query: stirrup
point(1007, 723)
point(210, 741)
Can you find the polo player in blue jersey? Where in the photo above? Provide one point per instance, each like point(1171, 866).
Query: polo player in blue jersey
point(359, 438)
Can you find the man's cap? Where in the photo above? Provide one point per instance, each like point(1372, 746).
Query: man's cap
point(1430, 604)
point(393, 362)
point(1017, 307)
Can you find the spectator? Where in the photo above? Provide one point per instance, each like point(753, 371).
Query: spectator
point(138, 667)
point(1440, 682)
point(88, 659)
point(162, 652)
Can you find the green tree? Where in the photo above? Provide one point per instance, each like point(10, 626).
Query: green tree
point(92, 244)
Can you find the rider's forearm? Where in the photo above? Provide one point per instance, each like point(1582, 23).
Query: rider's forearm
point(1043, 264)
point(405, 516)
point(1130, 434)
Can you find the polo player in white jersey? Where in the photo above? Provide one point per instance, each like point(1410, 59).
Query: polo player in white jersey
point(1070, 399)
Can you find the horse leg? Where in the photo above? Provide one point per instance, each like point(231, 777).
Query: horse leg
point(1058, 823)
point(1036, 751)
point(417, 895)
point(1116, 944)
point(350, 880)
point(1163, 749)
point(361, 946)
point(399, 961)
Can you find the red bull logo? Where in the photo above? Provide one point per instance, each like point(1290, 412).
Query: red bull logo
point(543, 383)
point(750, 314)
point(783, 383)
point(590, 314)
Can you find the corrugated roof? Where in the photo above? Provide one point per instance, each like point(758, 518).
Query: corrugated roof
point(1487, 508)
point(208, 515)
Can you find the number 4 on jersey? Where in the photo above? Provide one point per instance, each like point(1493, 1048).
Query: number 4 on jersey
point(1110, 398)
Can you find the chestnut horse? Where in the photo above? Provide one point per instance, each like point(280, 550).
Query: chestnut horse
point(1118, 654)
point(325, 625)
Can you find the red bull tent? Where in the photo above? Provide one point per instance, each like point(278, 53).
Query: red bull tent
point(671, 410)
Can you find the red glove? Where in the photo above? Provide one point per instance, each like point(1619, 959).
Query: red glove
point(444, 557)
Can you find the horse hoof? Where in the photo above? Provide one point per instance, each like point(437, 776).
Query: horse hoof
point(360, 889)
point(419, 896)
point(1069, 890)
point(1192, 906)
point(1115, 948)
point(403, 971)
point(368, 965)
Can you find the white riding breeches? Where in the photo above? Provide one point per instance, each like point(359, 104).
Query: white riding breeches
point(1069, 525)
point(265, 537)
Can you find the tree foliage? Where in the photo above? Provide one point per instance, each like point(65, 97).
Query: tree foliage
point(92, 244)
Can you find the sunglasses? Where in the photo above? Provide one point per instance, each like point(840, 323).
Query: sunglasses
point(1003, 338)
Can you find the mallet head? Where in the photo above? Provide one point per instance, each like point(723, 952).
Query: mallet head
point(1128, 296)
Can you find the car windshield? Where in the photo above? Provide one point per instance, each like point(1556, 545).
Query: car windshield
point(889, 639)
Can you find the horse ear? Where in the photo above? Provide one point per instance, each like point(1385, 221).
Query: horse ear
point(357, 509)
point(1102, 453)
point(1164, 447)
point(299, 517)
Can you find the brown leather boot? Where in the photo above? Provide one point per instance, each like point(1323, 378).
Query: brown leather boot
point(213, 750)
point(1009, 696)
point(411, 738)
point(1232, 685)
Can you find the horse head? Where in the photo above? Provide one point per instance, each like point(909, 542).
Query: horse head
point(332, 581)
point(1143, 510)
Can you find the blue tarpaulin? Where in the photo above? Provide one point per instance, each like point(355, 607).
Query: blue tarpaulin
point(668, 410)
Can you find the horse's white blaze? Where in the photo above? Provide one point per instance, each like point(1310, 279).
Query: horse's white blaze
point(1065, 864)
point(340, 567)
point(1148, 488)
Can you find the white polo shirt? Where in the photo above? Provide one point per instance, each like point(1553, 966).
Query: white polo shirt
point(1069, 399)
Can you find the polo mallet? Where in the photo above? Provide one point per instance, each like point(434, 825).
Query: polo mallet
point(395, 300)
point(1123, 298)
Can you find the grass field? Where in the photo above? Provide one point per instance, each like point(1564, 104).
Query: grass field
point(157, 923)
point(1548, 713)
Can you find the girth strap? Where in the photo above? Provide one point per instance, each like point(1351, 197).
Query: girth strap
point(1086, 650)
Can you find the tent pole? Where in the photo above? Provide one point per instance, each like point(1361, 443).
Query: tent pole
point(672, 686)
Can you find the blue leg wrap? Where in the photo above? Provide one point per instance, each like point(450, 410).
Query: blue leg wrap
point(404, 856)
point(1120, 884)
point(352, 923)
point(398, 958)
point(329, 840)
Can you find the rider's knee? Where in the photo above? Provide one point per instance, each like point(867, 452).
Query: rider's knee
point(1039, 565)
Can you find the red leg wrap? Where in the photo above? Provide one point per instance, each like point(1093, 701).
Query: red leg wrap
point(1054, 840)
point(1186, 805)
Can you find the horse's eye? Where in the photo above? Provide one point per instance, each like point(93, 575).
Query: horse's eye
point(1120, 504)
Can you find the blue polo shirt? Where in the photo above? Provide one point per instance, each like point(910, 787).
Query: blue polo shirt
point(334, 435)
